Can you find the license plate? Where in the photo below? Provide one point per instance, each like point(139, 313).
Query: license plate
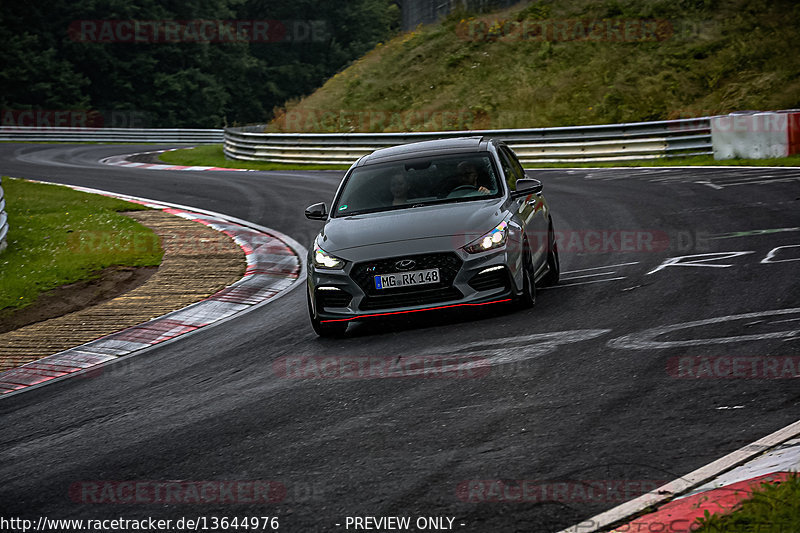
point(405, 279)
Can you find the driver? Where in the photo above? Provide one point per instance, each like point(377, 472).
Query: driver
point(468, 176)
point(398, 186)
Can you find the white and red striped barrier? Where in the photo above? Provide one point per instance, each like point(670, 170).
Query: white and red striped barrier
point(756, 135)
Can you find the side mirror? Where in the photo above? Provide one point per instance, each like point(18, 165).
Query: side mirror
point(527, 186)
point(317, 212)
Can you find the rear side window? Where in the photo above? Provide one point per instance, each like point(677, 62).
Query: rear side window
point(511, 167)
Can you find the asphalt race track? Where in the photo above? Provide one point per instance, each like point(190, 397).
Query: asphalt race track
point(582, 388)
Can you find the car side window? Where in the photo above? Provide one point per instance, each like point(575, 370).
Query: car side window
point(511, 167)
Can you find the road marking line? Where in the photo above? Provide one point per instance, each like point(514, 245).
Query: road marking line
point(580, 283)
point(782, 321)
point(599, 268)
point(751, 233)
point(648, 339)
point(588, 276)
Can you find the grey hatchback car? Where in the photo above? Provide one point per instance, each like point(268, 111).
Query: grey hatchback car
point(428, 226)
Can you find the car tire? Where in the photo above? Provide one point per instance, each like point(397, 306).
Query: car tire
point(553, 263)
point(332, 329)
point(527, 299)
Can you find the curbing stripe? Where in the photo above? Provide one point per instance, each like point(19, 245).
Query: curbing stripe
point(274, 267)
point(783, 458)
point(629, 510)
point(723, 493)
point(680, 516)
point(122, 161)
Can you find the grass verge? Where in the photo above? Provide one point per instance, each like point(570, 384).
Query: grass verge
point(58, 236)
point(211, 155)
point(791, 161)
point(77, 142)
point(772, 508)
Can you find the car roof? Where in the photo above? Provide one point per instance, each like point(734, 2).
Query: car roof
point(425, 149)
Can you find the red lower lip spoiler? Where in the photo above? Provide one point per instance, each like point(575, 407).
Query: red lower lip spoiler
point(415, 311)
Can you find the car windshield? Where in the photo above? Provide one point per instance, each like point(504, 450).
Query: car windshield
point(419, 182)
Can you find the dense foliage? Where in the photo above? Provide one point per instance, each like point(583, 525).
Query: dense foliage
point(567, 63)
point(47, 65)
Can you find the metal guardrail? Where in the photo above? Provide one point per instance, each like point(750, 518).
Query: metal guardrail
point(110, 135)
point(611, 142)
point(3, 219)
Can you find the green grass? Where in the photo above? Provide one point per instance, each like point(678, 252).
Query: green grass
point(58, 236)
point(710, 57)
point(773, 508)
point(75, 142)
point(211, 155)
point(791, 161)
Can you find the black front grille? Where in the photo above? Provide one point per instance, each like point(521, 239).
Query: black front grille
point(494, 279)
point(410, 298)
point(333, 298)
point(448, 264)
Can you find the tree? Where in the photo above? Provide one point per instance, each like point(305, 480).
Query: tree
point(57, 56)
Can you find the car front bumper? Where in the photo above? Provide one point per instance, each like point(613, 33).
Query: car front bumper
point(481, 279)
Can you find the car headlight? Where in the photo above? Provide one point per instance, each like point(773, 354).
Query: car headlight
point(322, 259)
point(493, 239)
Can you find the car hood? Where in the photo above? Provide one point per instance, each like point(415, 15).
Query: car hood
point(465, 221)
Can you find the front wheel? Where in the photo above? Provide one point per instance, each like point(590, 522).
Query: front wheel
point(325, 329)
point(553, 264)
point(528, 297)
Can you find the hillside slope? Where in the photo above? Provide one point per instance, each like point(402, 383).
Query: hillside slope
point(549, 63)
